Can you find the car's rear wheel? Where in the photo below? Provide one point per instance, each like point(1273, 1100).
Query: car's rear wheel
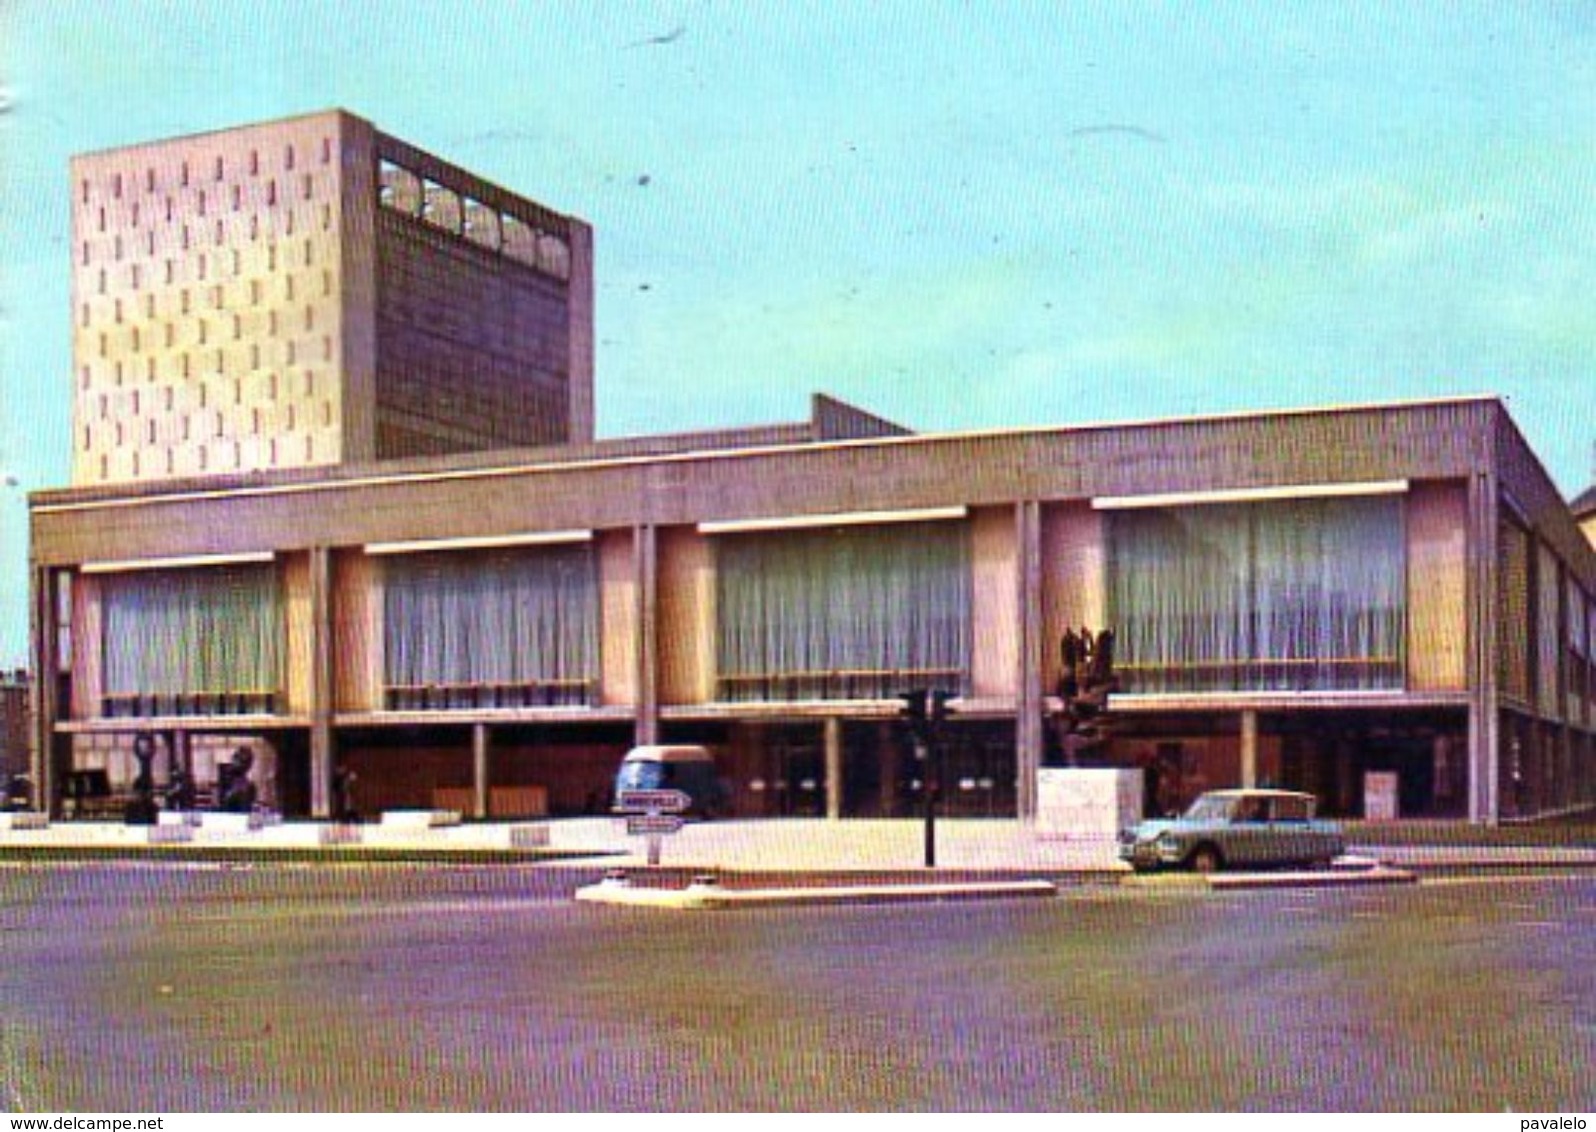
point(1206, 859)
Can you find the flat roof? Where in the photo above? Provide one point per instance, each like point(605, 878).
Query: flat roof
point(201, 135)
point(663, 447)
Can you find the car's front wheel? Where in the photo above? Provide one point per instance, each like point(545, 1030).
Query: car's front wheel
point(1206, 859)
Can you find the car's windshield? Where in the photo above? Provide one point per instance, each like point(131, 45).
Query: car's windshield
point(1293, 809)
point(640, 776)
point(1210, 807)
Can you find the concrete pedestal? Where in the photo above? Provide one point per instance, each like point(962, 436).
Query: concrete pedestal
point(419, 819)
point(24, 819)
point(1087, 803)
point(529, 837)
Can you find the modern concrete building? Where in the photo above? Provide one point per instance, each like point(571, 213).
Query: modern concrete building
point(311, 292)
point(1303, 598)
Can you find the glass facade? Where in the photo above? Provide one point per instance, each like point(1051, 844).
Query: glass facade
point(843, 613)
point(1300, 595)
point(510, 628)
point(1513, 612)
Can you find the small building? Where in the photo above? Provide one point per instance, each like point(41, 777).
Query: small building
point(1583, 508)
point(16, 731)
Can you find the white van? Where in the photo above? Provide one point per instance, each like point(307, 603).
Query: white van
point(688, 769)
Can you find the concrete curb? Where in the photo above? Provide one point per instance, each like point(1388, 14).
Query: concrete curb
point(248, 847)
point(774, 855)
point(190, 851)
point(1380, 874)
point(704, 895)
point(1462, 861)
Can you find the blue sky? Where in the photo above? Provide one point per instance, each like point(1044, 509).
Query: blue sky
point(956, 214)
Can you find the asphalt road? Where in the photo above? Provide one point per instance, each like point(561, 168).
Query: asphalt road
point(148, 989)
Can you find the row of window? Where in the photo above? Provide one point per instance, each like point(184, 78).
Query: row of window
point(181, 331)
point(222, 455)
point(119, 430)
point(186, 273)
point(138, 338)
point(1548, 629)
point(182, 366)
point(189, 171)
point(438, 206)
point(167, 397)
point(289, 353)
point(201, 204)
point(190, 236)
point(1299, 596)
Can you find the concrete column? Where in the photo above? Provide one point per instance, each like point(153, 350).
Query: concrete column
point(1484, 737)
point(321, 690)
point(1028, 734)
point(1249, 749)
point(833, 741)
point(42, 692)
point(645, 557)
point(479, 770)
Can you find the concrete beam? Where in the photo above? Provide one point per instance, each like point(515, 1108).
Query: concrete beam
point(479, 770)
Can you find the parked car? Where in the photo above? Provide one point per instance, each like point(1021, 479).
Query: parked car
point(1236, 828)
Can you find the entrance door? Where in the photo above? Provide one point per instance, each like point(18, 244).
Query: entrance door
point(798, 778)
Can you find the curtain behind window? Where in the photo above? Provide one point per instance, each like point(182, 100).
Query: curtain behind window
point(213, 630)
point(845, 613)
point(1513, 611)
point(1305, 595)
point(527, 616)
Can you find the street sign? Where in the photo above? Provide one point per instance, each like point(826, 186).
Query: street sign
point(637, 824)
point(652, 801)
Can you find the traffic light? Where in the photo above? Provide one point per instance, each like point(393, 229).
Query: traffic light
point(914, 713)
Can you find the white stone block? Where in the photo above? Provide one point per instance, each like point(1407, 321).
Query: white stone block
point(21, 820)
point(1087, 802)
point(231, 823)
point(529, 837)
point(419, 819)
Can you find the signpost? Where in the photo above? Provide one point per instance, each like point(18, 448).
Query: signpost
point(638, 825)
point(652, 814)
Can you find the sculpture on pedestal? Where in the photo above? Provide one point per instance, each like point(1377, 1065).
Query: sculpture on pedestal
point(235, 793)
point(1086, 680)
